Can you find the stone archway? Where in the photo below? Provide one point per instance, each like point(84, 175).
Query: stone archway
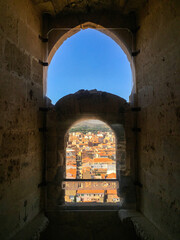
point(71, 31)
point(84, 104)
point(59, 29)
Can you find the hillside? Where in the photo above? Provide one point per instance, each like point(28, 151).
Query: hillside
point(90, 126)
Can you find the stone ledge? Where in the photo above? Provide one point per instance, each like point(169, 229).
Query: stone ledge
point(143, 227)
point(33, 229)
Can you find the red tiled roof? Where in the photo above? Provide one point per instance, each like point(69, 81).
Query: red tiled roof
point(88, 191)
point(112, 191)
point(71, 170)
point(111, 175)
point(101, 169)
point(103, 160)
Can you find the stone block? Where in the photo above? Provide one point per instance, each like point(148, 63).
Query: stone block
point(12, 27)
point(14, 144)
point(29, 40)
point(1, 47)
point(35, 141)
point(29, 181)
point(144, 228)
point(14, 116)
point(11, 222)
point(17, 61)
point(10, 170)
point(37, 72)
point(33, 229)
point(15, 86)
point(34, 94)
point(3, 10)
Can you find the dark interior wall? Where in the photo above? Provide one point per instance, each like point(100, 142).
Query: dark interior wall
point(158, 90)
point(21, 95)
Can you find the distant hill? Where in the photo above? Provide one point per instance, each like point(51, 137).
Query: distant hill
point(90, 126)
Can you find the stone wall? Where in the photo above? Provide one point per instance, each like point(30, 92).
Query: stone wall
point(158, 89)
point(21, 94)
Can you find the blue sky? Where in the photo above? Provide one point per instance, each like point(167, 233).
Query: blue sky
point(89, 60)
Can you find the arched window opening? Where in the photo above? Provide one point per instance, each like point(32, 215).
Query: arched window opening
point(89, 59)
point(91, 169)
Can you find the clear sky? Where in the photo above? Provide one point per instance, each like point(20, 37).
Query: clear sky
point(89, 60)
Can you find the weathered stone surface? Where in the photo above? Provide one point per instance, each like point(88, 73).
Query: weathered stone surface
point(14, 144)
point(29, 40)
point(159, 97)
point(20, 140)
point(97, 225)
point(34, 228)
point(91, 102)
point(17, 61)
point(144, 228)
point(37, 72)
point(90, 6)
